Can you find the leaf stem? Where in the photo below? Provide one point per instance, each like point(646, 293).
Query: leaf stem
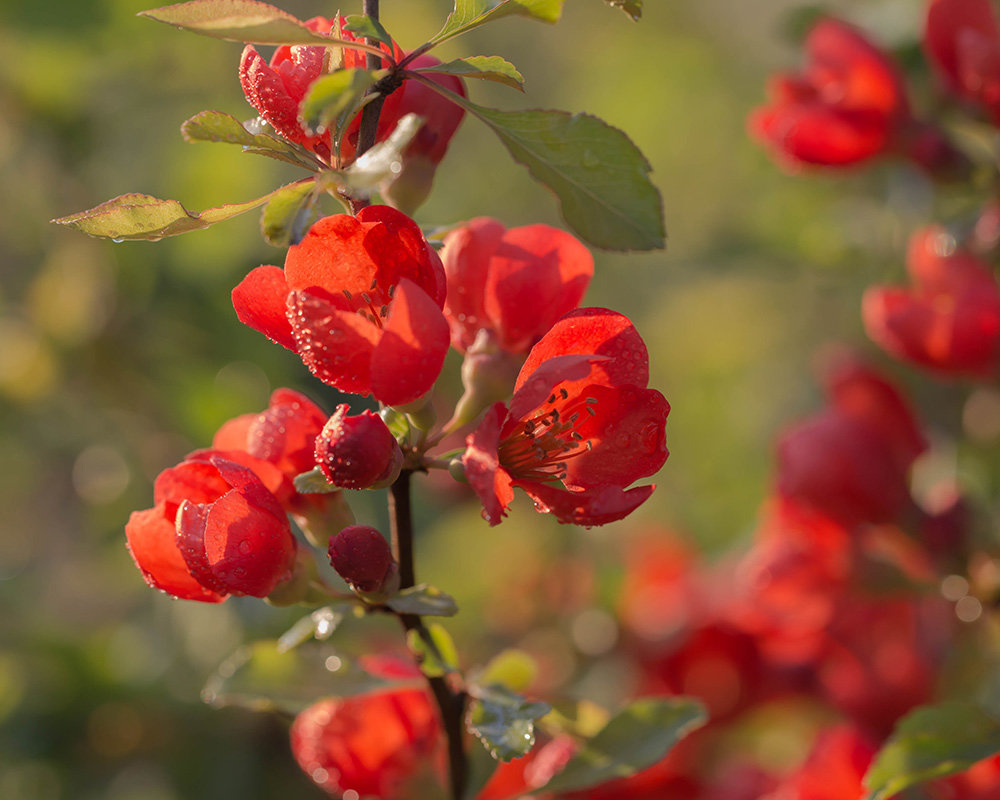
point(450, 703)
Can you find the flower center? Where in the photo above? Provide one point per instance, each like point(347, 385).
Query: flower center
point(542, 444)
point(373, 305)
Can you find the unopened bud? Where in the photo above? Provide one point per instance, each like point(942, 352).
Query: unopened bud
point(488, 375)
point(361, 556)
point(358, 452)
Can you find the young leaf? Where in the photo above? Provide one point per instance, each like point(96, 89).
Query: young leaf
point(636, 737)
point(244, 21)
point(599, 176)
point(631, 7)
point(436, 654)
point(503, 721)
point(369, 28)
point(333, 95)
point(320, 624)
point(260, 677)
point(423, 600)
point(215, 126)
point(142, 217)
point(313, 482)
point(932, 742)
point(287, 217)
point(489, 68)
point(469, 14)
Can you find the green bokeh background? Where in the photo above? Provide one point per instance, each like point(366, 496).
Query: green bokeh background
point(115, 360)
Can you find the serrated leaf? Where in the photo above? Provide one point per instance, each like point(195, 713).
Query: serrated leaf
point(932, 742)
point(631, 7)
point(469, 14)
point(313, 482)
point(319, 625)
point(514, 669)
point(244, 21)
point(333, 95)
point(260, 677)
point(143, 217)
point(216, 126)
point(599, 176)
point(287, 217)
point(637, 737)
point(435, 651)
point(503, 721)
point(423, 600)
point(490, 68)
point(369, 28)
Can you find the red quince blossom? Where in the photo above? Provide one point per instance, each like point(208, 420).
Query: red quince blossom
point(834, 769)
point(581, 415)
point(369, 744)
point(850, 462)
point(276, 90)
point(962, 42)
point(847, 105)
point(215, 530)
point(950, 320)
point(358, 452)
point(513, 282)
point(360, 301)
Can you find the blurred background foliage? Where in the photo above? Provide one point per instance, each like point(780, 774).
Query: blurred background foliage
point(116, 360)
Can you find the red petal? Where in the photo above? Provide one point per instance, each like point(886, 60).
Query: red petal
point(537, 274)
point(190, 537)
point(285, 434)
point(266, 92)
point(197, 481)
point(590, 507)
point(152, 543)
point(946, 20)
point(332, 257)
point(259, 301)
point(409, 357)
point(335, 345)
point(397, 246)
point(466, 256)
point(232, 435)
point(533, 389)
point(486, 477)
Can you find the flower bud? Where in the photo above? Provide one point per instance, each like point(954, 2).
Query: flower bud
point(358, 452)
point(361, 556)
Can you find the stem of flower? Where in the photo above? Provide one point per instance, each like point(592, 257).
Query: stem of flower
point(451, 703)
point(371, 112)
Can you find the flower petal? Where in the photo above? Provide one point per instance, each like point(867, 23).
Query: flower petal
point(466, 257)
point(590, 507)
point(397, 245)
point(487, 478)
point(190, 536)
point(259, 300)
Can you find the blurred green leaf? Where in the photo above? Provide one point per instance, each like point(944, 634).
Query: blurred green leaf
point(598, 174)
point(216, 126)
point(469, 14)
point(313, 482)
point(369, 28)
point(631, 7)
point(503, 721)
point(286, 218)
point(637, 737)
point(423, 600)
point(435, 651)
point(489, 68)
point(142, 217)
point(262, 677)
point(511, 668)
point(244, 21)
point(932, 742)
point(381, 162)
point(331, 96)
point(320, 625)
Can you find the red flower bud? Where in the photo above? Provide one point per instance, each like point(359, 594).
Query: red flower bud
point(358, 452)
point(362, 557)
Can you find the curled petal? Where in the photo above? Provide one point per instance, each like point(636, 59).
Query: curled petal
point(534, 388)
point(259, 301)
point(398, 246)
point(197, 481)
point(488, 479)
point(590, 507)
point(192, 519)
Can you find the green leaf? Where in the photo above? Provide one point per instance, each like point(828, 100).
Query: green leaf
point(637, 737)
point(313, 482)
point(469, 14)
point(423, 600)
point(489, 68)
point(244, 21)
point(333, 95)
point(319, 625)
point(369, 28)
point(286, 218)
point(631, 7)
point(600, 178)
point(511, 668)
point(142, 217)
point(261, 677)
point(503, 721)
point(434, 650)
point(932, 742)
point(215, 126)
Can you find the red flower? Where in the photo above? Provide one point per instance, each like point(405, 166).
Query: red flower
point(276, 90)
point(847, 105)
point(581, 414)
point(834, 769)
point(515, 283)
point(358, 452)
point(215, 530)
point(950, 320)
point(962, 41)
point(360, 300)
point(369, 744)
